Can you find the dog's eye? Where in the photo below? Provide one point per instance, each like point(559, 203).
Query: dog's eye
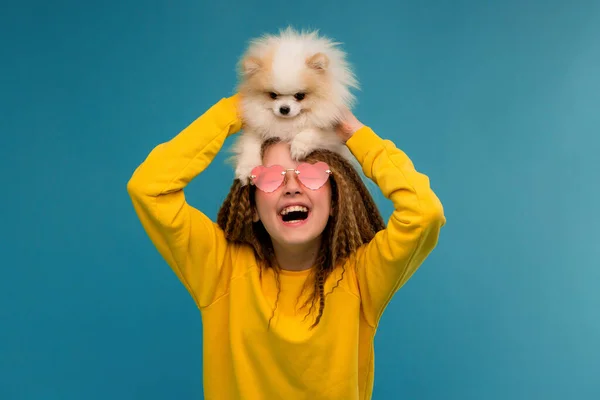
point(299, 96)
point(273, 95)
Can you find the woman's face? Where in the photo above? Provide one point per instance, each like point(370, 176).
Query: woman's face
point(292, 214)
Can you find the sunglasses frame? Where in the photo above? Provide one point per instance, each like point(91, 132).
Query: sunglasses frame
point(284, 172)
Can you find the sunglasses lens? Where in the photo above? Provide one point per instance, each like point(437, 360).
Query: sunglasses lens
point(268, 179)
point(313, 176)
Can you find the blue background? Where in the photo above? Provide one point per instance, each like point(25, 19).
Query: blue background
point(498, 102)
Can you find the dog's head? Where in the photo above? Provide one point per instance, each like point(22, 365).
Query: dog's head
point(294, 79)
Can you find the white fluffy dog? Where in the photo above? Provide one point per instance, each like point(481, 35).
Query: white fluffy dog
point(292, 86)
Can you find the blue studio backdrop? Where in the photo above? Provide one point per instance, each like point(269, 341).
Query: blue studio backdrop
point(497, 102)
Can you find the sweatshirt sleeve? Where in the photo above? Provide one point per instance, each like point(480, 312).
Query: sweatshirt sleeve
point(192, 245)
point(394, 254)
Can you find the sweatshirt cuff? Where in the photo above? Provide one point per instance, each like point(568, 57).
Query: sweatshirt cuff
point(226, 114)
point(362, 142)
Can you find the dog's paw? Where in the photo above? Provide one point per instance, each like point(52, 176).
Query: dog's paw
point(300, 150)
point(242, 172)
point(245, 165)
point(304, 143)
point(247, 156)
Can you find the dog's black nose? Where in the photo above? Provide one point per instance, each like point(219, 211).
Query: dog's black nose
point(284, 110)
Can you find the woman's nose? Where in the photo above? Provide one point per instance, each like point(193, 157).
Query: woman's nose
point(292, 185)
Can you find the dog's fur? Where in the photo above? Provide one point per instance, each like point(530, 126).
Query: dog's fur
point(302, 72)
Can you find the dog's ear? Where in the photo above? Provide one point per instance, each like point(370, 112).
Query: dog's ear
point(250, 65)
point(318, 61)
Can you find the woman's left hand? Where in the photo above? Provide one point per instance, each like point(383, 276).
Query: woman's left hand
point(348, 125)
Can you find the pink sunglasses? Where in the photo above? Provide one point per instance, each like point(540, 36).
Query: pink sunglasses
point(269, 179)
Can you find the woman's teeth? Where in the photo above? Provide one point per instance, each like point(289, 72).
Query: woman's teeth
point(294, 214)
point(290, 209)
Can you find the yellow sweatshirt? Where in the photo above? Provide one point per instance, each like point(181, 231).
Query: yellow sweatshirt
point(244, 358)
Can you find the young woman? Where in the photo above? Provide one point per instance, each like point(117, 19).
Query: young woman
point(292, 279)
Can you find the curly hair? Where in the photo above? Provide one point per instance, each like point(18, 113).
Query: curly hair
point(341, 237)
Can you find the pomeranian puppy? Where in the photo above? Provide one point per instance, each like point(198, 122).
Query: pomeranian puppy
point(292, 86)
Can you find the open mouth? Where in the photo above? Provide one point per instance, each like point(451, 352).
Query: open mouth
point(294, 214)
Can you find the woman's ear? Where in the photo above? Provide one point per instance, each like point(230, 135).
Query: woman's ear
point(255, 217)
